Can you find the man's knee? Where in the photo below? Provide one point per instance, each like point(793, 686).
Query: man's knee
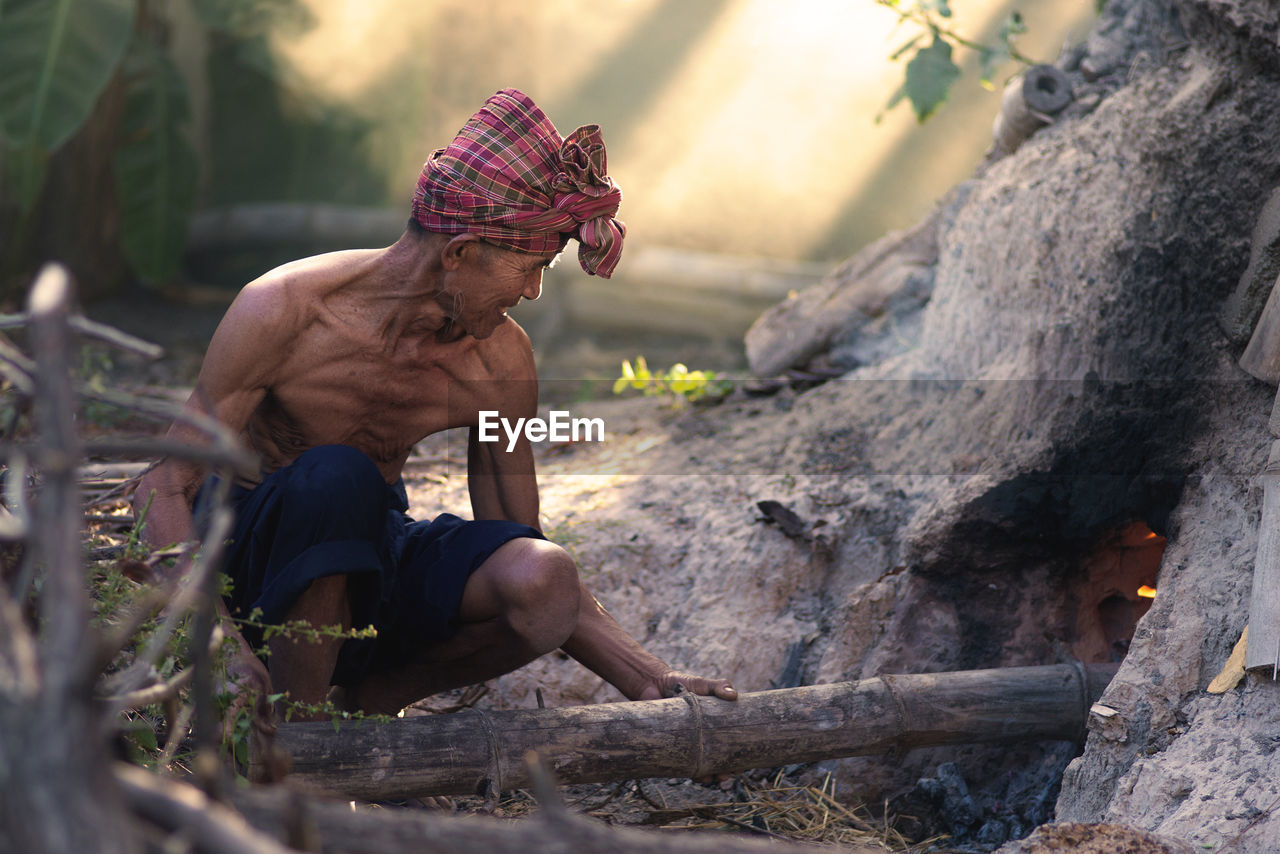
point(538, 580)
point(540, 572)
point(324, 599)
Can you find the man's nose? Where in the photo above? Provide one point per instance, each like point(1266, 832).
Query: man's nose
point(533, 289)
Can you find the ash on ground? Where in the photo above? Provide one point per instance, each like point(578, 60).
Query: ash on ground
point(981, 817)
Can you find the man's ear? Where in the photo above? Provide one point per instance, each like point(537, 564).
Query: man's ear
point(459, 249)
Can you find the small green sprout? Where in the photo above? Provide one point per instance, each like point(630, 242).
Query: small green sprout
point(678, 381)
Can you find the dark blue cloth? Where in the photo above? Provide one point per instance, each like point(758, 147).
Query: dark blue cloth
point(330, 512)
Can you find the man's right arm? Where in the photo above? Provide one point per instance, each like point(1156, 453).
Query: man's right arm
point(233, 380)
point(168, 490)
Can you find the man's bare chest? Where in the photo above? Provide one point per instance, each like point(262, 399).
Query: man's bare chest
point(334, 390)
point(370, 392)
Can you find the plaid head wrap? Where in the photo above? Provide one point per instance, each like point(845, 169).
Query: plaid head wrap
point(510, 177)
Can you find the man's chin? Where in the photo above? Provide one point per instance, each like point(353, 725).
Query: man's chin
point(482, 334)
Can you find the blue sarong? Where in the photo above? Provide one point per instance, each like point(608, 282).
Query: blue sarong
point(330, 512)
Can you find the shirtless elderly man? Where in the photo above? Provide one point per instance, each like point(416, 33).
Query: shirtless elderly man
point(333, 367)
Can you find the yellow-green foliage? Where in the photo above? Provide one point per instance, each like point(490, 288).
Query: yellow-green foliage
point(678, 381)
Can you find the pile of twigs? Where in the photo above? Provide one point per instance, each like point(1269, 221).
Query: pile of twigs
point(791, 811)
point(777, 808)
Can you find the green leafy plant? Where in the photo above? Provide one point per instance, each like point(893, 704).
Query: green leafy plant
point(58, 57)
point(115, 592)
point(931, 71)
point(155, 166)
point(298, 629)
point(678, 381)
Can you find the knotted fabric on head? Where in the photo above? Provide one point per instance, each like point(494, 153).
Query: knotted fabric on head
point(510, 177)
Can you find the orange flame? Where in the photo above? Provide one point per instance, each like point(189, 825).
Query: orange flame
point(1147, 592)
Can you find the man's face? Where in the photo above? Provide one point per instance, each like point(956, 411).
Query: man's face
point(494, 280)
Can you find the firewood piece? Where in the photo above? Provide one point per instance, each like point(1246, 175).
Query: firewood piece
point(1261, 357)
point(1254, 293)
point(1263, 649)
point(688, 736)
point(1029, 103)
point(1233, 671)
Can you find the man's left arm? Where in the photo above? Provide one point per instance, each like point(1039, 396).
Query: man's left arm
point(605, 648)
point(503, 485)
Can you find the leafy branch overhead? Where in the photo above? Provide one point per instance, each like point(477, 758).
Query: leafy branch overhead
point(931, 71)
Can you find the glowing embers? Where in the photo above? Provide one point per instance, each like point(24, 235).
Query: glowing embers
point(1114, 591)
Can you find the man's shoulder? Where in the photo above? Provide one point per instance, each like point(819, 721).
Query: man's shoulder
point(508, 353)
point(266, 303)
point(287, 295)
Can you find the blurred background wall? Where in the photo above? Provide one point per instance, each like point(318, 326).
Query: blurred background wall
point(739, 126)
point(749, 137)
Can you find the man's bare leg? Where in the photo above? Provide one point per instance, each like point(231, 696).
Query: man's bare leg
point(519, 604)
point(298, 667)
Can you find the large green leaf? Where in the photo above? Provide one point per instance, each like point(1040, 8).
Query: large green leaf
point(55, 58)
point(930, 74)
point(156, 168)
point(24, 170)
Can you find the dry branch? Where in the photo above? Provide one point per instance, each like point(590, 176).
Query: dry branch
point(152, 694)
point(175, 806)
point(52, 742)
point(65, 605)
point(94, 329)
point(473, 751)
point(16, 368)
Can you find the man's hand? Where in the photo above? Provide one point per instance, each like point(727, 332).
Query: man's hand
point(672, 682)
point(250, 683)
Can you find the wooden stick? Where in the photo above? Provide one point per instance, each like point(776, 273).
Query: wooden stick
point(52, 754)
point(122, 340)
point(1263, 647)
point(689, 736)
point(65, 601)
point(177, 806)
point(1261, 357)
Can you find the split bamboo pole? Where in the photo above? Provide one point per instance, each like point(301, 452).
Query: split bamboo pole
point(1263, 646)
point(478, 751)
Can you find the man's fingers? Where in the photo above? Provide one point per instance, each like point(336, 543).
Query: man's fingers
point(709, 688)
point(718, 688)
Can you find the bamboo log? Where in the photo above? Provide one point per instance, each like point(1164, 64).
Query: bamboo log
point(475, 751)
